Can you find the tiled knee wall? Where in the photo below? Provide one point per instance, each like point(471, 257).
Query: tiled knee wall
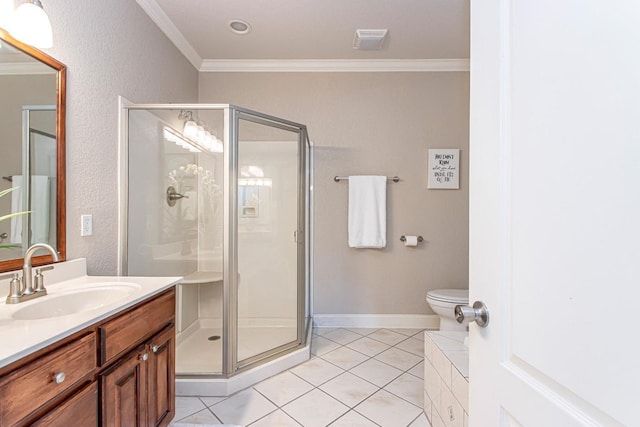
point(446, 379)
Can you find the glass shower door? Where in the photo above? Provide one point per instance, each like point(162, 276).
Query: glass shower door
point(268, 219)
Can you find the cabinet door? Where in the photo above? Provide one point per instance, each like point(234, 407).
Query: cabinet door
point(79, 410)
point(124, 391)
point(161, 365)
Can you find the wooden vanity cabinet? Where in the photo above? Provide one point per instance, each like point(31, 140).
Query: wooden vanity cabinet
point(120, 371)
point(140, 388)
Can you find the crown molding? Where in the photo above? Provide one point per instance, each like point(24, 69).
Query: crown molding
point(334, 65)
point(157, 15)
point(24, 68)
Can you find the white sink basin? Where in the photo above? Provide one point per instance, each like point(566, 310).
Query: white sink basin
point(66, 302)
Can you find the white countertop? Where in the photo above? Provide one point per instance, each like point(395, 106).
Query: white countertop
point(18, 338)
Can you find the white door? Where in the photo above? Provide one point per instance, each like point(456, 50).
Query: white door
point(555, 212)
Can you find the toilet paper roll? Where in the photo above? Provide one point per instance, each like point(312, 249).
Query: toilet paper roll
point(411, 240)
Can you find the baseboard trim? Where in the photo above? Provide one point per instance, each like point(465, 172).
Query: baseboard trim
point(409, 321)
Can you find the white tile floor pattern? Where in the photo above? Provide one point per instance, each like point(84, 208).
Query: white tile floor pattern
point(356, 378)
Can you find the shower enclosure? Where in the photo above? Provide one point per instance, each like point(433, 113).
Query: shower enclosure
point(219, 194)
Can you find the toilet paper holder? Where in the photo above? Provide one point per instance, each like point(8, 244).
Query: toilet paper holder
point(404, 239)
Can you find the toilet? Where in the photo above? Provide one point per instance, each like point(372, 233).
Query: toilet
point(443, 302)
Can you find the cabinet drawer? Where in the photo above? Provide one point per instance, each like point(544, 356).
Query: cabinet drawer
point(127, 331)
point(32, 386)
point(80, 409)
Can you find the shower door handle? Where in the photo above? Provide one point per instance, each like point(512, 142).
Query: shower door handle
point(478, 313)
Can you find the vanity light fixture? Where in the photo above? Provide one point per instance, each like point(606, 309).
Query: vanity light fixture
point(31, 25)
point(196, 131)
point(190, 129)
point(173, 136)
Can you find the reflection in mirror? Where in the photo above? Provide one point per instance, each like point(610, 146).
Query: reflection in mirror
point(32, 131)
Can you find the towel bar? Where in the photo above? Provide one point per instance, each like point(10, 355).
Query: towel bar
point(341, 178)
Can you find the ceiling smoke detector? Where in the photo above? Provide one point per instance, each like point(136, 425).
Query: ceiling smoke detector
point(369, 39)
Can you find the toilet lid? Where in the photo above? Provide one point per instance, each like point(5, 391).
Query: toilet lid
point(450, 295)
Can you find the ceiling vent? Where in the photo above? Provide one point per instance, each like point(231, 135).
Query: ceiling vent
point(369, 39)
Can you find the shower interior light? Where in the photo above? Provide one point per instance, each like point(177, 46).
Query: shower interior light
point(253, 182)
point(196, 132)
point(31, 25)
point(173, 136)
point(190, 128)
point(218, 146)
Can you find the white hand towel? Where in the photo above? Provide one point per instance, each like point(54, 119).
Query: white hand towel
point(16, 206)
point(40, 209)
point(367, 211)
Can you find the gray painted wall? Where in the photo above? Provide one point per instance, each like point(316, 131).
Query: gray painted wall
point(379, 124)
point(110, 48)
point(360, 123)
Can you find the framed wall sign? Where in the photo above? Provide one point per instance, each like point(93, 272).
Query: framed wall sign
point(444, 168)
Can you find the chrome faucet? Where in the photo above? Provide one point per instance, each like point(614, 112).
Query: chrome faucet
point(21, 288)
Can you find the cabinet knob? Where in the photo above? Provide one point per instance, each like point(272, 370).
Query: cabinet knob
point(59, 377)
point(155, 348)
point(144, 357)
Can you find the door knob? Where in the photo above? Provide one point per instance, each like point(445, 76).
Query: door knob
point(478, 313)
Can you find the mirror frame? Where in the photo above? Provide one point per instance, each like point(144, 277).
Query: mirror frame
point(61, 97)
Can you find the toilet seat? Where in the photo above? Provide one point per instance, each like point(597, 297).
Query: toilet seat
point(455, 296)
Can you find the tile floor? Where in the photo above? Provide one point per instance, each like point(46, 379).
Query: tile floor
point(356, 377)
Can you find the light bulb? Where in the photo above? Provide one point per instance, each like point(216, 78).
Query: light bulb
point(200, 134)
point(190, 129)
point(31, 25)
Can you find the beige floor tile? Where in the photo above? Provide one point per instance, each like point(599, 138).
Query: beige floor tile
point(322, 331)
point(349, 389)
point(315, 409)
point(243, 408)
point(342, 336)
point(388, 410)
point(406, 331)
point(363, 331)
point(409, 388)
point(209, 401)
point(321, 345)
point(412, 345)
point(387, 336)
point(186, 406)
point(421, 421)
point(202, 417)
point(283, 388)
point(418, 370)
point(317, 371)
point(368, 346)
point(344, 357)
point(399, 359)
point(353, 419)
point(276, 419)
point(376, 372)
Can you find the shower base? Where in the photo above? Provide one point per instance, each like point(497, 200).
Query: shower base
point(199, 352)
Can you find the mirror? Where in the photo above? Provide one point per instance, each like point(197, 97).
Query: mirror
point(32, 137)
